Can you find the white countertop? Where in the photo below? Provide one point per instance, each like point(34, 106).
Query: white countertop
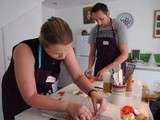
point(149, 67)
point(112, 110)
point(31, 114)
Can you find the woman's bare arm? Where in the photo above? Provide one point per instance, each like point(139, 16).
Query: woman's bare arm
point(24, 71)
point(76, 73)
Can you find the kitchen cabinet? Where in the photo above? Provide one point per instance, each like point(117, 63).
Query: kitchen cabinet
point(149, 74)
point(82, 51)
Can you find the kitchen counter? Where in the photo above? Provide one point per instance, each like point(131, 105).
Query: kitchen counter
point(112, 110)
point(149, 73)
point(148, 67)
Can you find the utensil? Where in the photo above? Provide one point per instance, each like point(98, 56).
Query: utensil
point(130, 67)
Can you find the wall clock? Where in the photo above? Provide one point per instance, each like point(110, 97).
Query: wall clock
point(126, 18)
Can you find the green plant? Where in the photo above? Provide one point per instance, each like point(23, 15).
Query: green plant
point(157, 57)
point(145, 56)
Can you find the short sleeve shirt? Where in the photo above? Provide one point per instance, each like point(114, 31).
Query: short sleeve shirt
point(119, 29)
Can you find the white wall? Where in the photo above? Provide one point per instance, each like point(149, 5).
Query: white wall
point(20, 20)
point(14, 19)
point(74, 18)
point(1, 69)
point(1, 58)
point(24, 27)
point(157, 4)
point(140, 34)
point(47, 12)
point(11, 9)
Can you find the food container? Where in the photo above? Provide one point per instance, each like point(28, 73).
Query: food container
point(107, 82)
point(157, 58)
point(118, 94)
point(145, 57)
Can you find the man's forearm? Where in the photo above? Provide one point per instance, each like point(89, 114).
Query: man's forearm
point(119, 60)
point(91, 61)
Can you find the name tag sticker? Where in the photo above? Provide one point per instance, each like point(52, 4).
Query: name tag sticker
point(105, 42)
point(51, 79)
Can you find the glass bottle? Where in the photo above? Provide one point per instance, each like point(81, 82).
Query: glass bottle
point(107, 82)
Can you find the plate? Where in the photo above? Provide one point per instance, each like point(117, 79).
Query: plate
point(126, 18)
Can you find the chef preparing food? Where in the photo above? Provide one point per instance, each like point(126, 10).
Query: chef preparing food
point(108, 42)
point(34, 70)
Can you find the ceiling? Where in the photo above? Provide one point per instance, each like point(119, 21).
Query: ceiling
point(57, 4)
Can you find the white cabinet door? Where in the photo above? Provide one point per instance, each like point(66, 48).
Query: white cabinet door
point(82, 46)
point(83, 61)
point(147, 76)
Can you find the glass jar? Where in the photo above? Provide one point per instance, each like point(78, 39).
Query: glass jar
point(107, 82)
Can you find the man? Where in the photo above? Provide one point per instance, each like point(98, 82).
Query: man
point(108, 42)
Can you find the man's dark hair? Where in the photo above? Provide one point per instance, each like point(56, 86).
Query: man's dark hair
point(99, 6)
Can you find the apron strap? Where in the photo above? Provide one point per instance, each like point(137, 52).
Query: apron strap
point(114, 35)
point(98, 27)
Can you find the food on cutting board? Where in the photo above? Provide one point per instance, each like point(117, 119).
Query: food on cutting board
point(129, 113)
point(61, 93)
point(77, 92)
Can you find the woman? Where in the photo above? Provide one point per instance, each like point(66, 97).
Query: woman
point(35, 67)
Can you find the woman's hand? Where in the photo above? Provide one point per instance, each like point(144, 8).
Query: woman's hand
point(78, 111)
point(99, 103)
point(101, 73)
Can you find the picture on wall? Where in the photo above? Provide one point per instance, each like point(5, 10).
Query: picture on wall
point(87, 15)
point(156, 28)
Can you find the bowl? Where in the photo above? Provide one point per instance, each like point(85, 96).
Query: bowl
point(145, 57)
point(157, 58)
point(129, 57)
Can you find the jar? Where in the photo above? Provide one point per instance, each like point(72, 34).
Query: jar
point(107, 82)
point(130, 82)
point(118, 94)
